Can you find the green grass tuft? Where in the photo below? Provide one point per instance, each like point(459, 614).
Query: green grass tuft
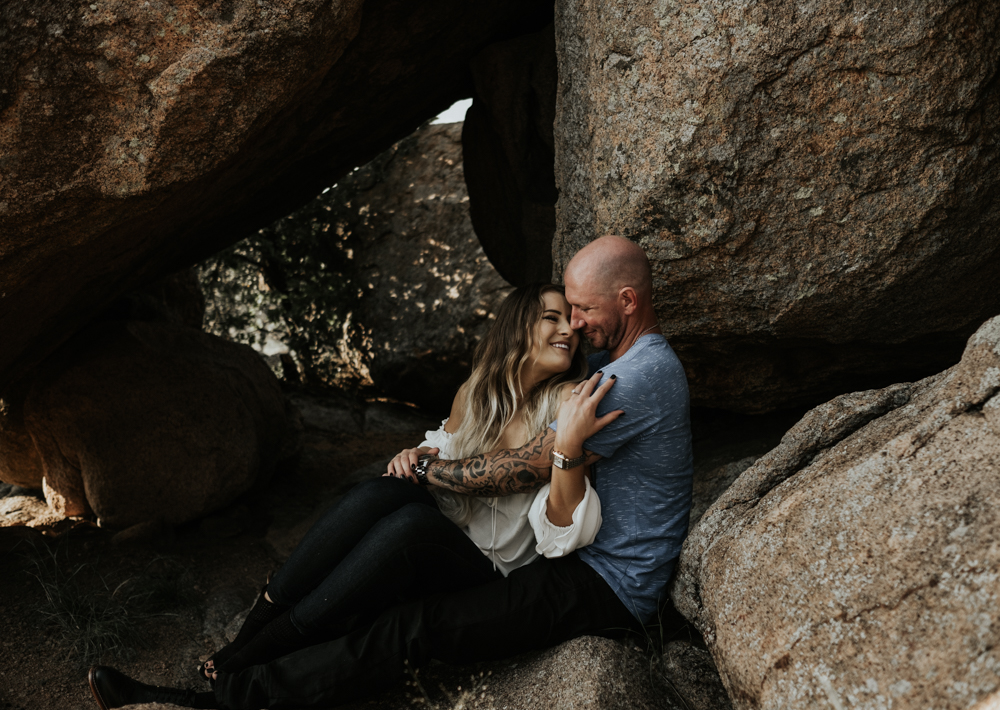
point(94, 618)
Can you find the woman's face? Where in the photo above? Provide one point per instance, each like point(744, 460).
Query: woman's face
point(554, 343)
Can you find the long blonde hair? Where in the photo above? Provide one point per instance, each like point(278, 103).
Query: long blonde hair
point(493, 395)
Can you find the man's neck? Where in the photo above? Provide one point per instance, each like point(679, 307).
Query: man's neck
point(632, 335)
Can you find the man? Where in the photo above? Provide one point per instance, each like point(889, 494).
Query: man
point(642, 472)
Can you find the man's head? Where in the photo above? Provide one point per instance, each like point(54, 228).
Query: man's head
point(610, 288)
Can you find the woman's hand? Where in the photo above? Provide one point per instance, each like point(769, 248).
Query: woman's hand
point(578, 420)
point(402, 463)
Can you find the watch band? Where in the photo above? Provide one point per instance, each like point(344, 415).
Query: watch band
point(559, 460)
point(420, 470)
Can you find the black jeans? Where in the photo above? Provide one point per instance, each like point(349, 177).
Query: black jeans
point(536, 606)
point(383, 543)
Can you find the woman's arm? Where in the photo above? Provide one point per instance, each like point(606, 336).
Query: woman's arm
point(401, 464)
point(577, 422)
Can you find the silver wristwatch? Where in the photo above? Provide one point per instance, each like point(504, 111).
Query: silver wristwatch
point(559, 460)
point(420, 470)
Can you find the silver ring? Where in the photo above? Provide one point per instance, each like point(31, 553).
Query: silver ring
point(576, 391)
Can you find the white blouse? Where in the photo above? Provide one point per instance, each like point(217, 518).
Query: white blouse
point(514, 530)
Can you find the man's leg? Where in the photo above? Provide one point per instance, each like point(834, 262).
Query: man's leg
point(537, 606)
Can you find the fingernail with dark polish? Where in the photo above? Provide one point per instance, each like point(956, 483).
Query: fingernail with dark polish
point(614, 377)
point(600, 372)
point(413, 467)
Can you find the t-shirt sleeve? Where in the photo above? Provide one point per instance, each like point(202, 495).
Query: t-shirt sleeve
point(633, 395)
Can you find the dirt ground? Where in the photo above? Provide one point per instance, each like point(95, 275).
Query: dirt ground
point(176, 589)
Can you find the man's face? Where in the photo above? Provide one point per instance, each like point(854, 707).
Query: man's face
point(596, 315)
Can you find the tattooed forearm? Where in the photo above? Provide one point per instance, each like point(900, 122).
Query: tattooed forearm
point(500, 473)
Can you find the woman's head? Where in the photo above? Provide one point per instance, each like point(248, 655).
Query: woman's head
point(531, 339)
point(529, 351)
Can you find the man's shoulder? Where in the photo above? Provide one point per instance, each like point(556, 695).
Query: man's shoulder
point(651, 360)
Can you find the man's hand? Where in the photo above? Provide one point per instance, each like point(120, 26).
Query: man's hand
point(500, 473)
point(405, 461)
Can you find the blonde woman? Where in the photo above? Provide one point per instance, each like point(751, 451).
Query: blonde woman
point(520, 377)
point(389, 541)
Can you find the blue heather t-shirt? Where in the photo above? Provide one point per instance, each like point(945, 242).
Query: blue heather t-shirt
point(644, 477)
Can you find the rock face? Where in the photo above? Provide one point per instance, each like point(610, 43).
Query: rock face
point(379, 278)
point(428, 290)
point(139, 138)
point(149, 421)
point(509, 155)
point(816, 183)
point(856, 563)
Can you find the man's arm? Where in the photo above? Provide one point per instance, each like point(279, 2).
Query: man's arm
point(500, 473)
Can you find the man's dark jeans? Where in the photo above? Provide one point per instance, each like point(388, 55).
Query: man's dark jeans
point(432, 612)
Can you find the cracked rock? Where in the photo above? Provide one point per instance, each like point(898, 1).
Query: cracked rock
point(856, 563)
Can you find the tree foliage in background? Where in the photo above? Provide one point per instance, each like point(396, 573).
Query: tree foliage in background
point(288, 291)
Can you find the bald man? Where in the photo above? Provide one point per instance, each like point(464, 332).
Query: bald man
point(641, 468)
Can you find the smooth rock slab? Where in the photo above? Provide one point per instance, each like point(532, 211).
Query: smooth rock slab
point(858, 563)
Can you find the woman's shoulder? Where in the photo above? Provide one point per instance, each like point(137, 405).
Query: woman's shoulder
point(458, 408)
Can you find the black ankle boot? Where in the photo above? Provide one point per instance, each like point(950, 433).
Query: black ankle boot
point(112, 689)
point(277, 639)
point(262, 614)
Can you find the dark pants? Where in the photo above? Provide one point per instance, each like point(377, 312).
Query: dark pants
point(537, 606)
point(383, 543)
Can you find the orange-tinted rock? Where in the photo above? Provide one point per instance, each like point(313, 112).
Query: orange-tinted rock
point(817, 184)
point(148, 421)
point(136, 138)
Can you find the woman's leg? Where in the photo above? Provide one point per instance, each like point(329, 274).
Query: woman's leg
point(410, 554)
point(337, 533)
point(329, 540)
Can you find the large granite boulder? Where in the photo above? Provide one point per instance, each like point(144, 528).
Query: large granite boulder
point(138, 422)
point(428, 292)
point(137, 138)
point(816, 184)
point(381, 277)
point(856, 563)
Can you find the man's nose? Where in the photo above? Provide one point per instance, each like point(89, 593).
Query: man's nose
point(575, 320)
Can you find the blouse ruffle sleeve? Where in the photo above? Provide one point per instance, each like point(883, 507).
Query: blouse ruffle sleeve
point(555, 541)
point(440, 439)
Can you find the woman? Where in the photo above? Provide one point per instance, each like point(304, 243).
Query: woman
point(387, 541)
point(520, 376)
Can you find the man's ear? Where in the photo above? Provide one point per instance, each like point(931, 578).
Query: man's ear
point(628, 299)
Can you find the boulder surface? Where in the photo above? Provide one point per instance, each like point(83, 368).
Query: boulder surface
point(149, 421)
point(137, 138)
point(856, 563)
point(428, 292)
point(816, 184)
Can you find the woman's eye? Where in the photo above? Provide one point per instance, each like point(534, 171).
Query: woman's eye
point(552, 318)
